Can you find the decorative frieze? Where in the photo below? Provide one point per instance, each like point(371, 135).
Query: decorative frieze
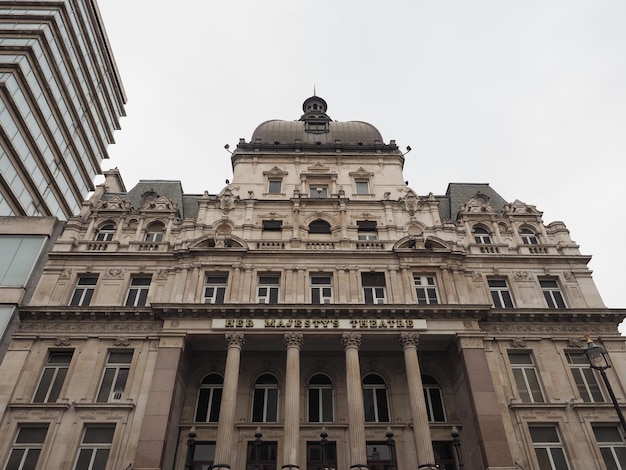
point(89, 326)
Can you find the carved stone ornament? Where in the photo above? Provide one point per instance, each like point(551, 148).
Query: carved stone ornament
point(476, 276)
point(545, 328)
point(114, 273)
point(293, 340)
point(235, 340)
point(351, 340)
point(521, 276)
point(161, 274)
point(91, 326)
point(227, 200)
point(409, 339)
point(518, 343)
point(576, 342)
point(410, 202)
point(65, 273)
point(121, 341)
point(62, 341)
point(569, 276)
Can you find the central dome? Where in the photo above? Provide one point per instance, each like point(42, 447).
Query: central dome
point(316, 126)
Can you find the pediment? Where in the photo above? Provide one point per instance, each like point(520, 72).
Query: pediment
point(318, 168)
point(519, 207)
point(475, 205)
point(361, 173)
point(159, 204)
point(114, 203)
point(275, 172)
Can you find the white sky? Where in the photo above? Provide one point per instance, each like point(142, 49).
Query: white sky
point(529, 96)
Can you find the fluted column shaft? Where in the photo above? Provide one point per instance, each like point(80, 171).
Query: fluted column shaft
point(226, 425)
point(356, 412)
point(293, 342)
point(419, 415)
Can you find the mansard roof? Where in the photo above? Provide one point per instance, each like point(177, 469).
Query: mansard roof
point(459, 194)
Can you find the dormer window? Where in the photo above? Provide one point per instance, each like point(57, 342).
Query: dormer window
point(155, 232)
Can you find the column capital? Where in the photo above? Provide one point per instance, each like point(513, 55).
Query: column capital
point(351, 340)
point(293, 340)
point(234, 340)
point(409, 339)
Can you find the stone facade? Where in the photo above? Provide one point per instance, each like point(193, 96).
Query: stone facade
point(319, 306)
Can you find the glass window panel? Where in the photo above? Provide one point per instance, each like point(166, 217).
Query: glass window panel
point(272, 405)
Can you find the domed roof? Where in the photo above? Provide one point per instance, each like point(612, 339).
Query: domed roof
point(350, 132)
point(316, 126)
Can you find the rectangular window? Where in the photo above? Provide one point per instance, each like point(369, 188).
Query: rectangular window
point(374, 288)
point(318, 191)
point(549, 448)
point(379, 455)
point(215, 288)
point(17, 258)
point(362, 186)
point(83, 293)
point(263, 456)
point(93, 453)
point(272, 225)
point(115, 376)
point(321, 457)
point(526, 377)
point(426, 289)
point(274, 186)
point(203, 455)
point(53, 376)
point(585, 377)
point(138, 291)
point(27, 447)
point(552, 293)
point(367, 230)
point(321, 289)
point(268, 288)
point(500, 294)
point(612, 446)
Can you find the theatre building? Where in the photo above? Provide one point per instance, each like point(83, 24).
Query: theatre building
point(315, 313)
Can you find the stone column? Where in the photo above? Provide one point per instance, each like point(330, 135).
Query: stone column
point(224, 444)
point(419, 415)
point(356, 412)
point(291, 431)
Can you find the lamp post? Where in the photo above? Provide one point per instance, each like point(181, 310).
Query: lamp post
point(596, 355)
point(456, 442)
point(191, 447)
point(391, 445)
point(257, 446)
point(323, 444)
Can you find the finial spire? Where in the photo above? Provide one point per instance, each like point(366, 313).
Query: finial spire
point(314, 94)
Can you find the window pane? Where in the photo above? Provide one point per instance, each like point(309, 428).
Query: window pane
point(314, 415)
point(327, 405)
point(215, 405)
point(55, 391)
point(383, 411)
point(368, 402)
point(258, 405)
point(107, 383)
point(272, 405)
point(203, 404)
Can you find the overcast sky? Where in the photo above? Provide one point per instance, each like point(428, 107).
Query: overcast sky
point(529, 96)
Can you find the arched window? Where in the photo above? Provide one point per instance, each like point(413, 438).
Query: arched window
point(320, 399)
point(209, 399)
point(433, 399)
point(319, 226)
point(265, 399)
point(481, 236)
point(154, 233)
point(375, 399)
point(106, 232)
point(529, 237)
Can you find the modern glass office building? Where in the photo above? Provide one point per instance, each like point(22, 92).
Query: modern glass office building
point(60, 101)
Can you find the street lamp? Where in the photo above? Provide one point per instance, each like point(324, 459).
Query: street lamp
point(391, 444)
point(456, 442)
point(323, 444)
point(596, 355)
point(191, 447)
point(257, 446)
